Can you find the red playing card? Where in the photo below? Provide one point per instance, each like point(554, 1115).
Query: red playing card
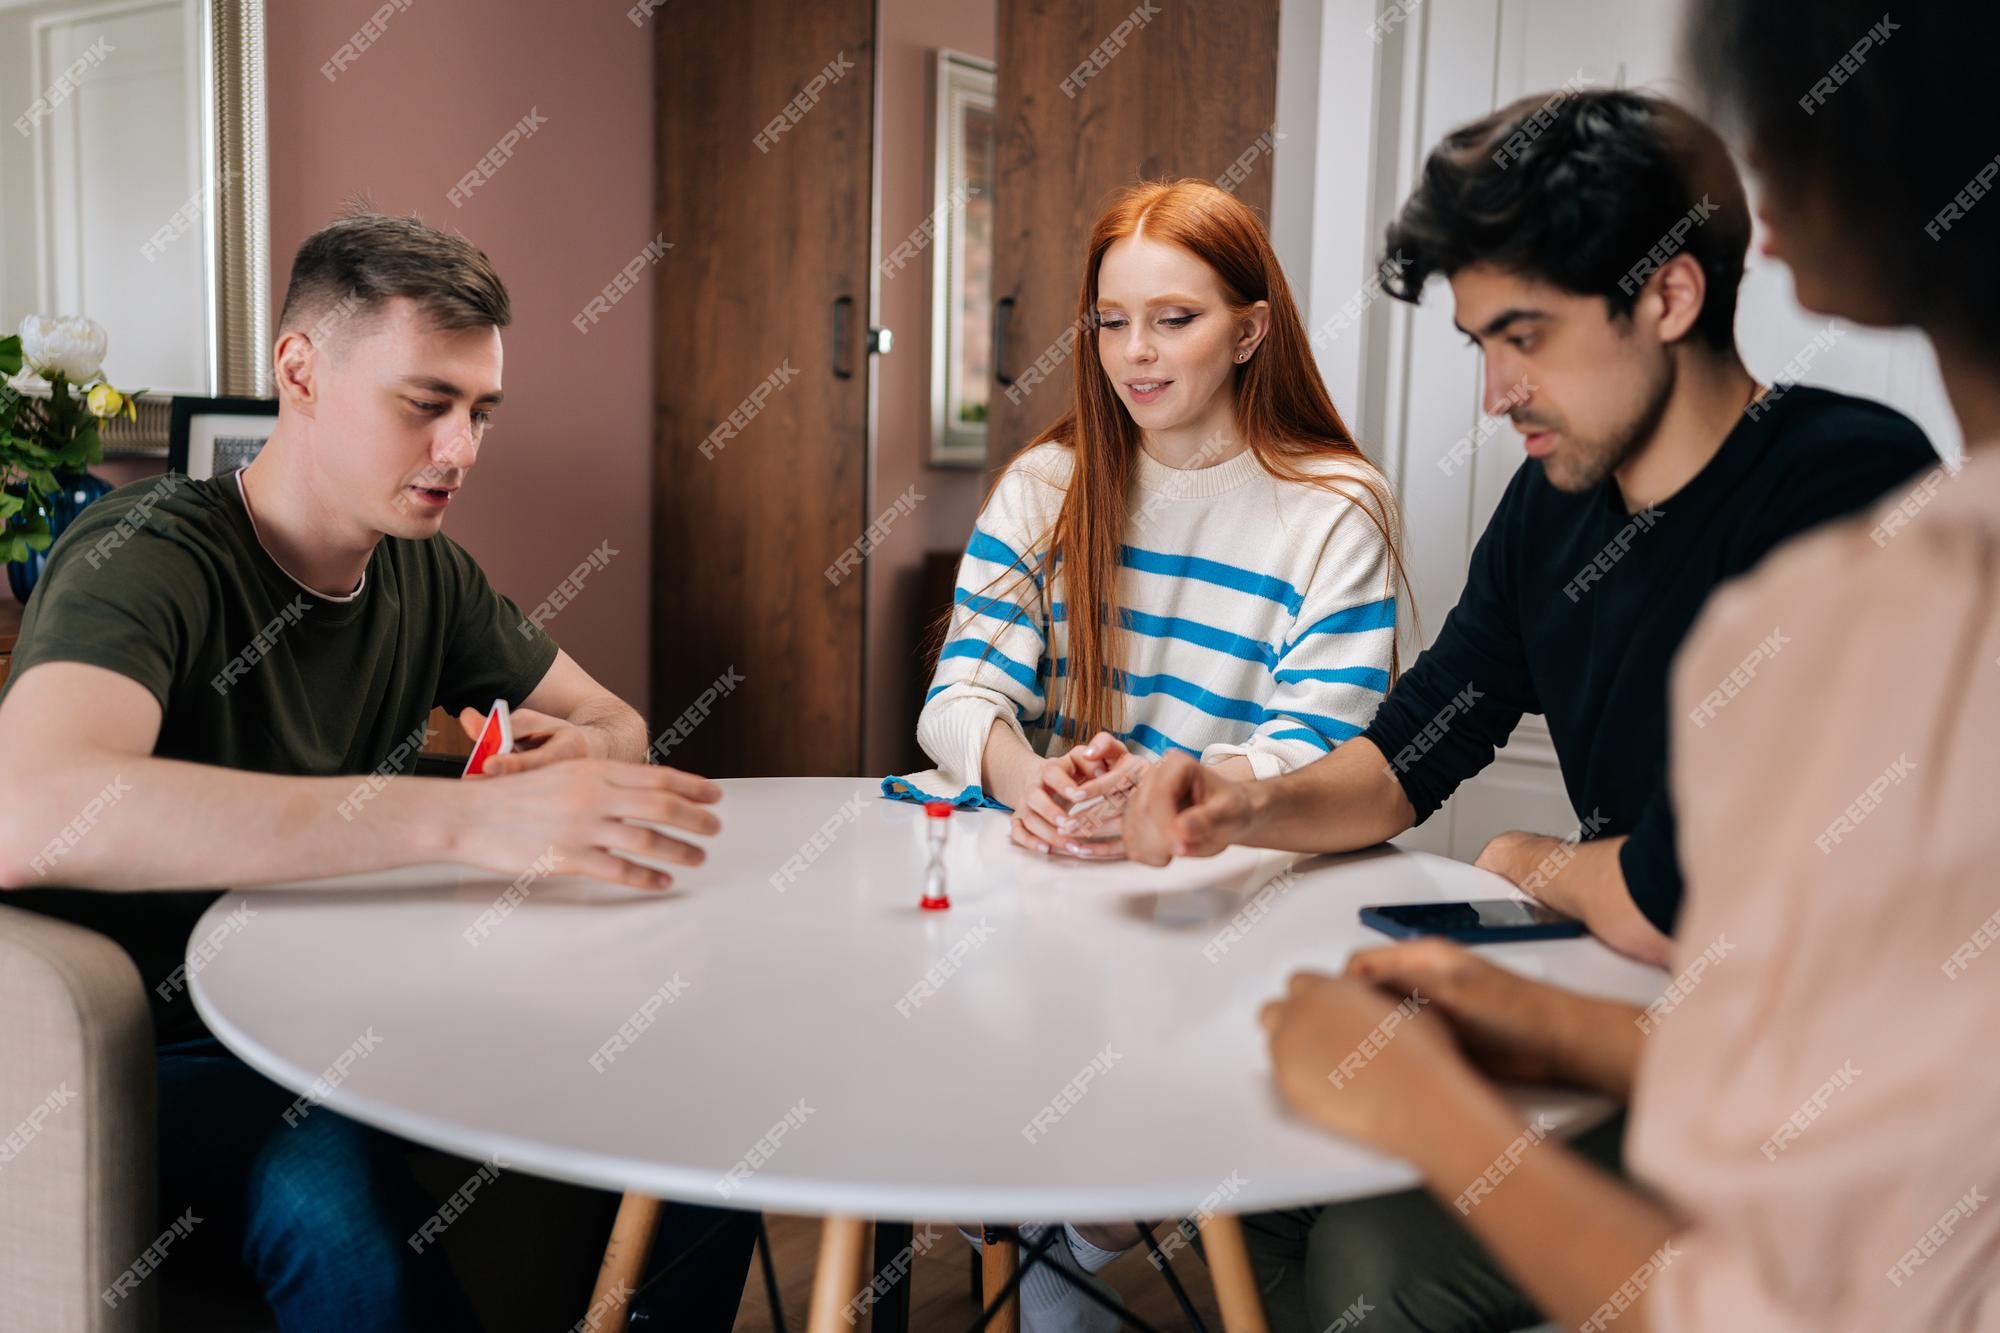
point(495, 738)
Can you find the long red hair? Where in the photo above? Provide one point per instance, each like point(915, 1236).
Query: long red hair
point(1283, 415)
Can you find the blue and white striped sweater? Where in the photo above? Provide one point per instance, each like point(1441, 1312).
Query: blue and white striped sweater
point(1258, 617)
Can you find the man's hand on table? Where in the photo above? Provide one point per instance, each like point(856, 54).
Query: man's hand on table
point(575, 811)
point(1530, 862)
point(1583, 880)
point(1184, 808)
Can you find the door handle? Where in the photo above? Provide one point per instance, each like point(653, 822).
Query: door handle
point(843, 311)
point(1003, 315)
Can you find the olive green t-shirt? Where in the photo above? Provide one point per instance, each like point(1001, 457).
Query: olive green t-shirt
point(165, 582)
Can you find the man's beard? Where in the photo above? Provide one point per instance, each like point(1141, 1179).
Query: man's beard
point(1583, 464)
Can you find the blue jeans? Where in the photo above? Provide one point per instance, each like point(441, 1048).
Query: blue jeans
point(319, 1212)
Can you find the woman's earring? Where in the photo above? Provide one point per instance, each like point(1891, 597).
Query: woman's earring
point(1242, 356)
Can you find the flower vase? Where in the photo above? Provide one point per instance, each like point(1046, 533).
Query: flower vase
point(78, 490)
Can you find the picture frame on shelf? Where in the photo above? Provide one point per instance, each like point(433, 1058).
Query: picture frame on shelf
point(962, 176)
point(210, 436)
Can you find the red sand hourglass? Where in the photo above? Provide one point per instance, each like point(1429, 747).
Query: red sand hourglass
point(937, 827)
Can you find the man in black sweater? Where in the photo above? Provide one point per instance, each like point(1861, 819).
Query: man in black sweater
point(1594, 242)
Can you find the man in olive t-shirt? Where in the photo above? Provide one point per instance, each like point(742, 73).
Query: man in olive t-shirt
point(163, 582)
point(215, 684)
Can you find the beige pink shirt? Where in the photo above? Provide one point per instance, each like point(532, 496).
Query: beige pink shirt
point(1824, 1101)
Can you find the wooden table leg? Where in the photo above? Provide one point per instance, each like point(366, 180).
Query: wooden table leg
point(624, 1262)
point(1235, 1281)
point(843, 1259)
point(1000, 1259)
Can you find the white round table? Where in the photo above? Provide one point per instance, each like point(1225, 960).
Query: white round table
point(786, 1030)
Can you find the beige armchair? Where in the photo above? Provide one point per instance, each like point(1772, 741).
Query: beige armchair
point(76, 1127)
point(77, 1178)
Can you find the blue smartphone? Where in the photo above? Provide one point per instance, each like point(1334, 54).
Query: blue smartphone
point(1488, 921)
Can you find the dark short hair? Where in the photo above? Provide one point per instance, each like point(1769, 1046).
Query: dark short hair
point(355, 264)
point(1585, 189)
point(1886, 119)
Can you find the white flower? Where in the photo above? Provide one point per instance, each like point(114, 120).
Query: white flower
point(63, 344)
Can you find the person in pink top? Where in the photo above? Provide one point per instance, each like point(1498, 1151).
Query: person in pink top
point(1815, 1115)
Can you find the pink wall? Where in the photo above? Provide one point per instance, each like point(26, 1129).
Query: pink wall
point(569, 463)
point(909, 32)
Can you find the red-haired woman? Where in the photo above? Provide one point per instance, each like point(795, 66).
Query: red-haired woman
point(1203, 495)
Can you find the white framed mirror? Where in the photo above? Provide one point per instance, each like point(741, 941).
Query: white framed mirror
point(132, 191)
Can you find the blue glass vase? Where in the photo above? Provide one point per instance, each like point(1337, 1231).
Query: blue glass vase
point(78, 490)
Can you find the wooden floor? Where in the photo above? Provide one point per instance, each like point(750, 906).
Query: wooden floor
point(941, 1299)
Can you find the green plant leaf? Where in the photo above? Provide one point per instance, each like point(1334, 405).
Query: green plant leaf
point(10, 354)
point(85, 448)
point(21, 538)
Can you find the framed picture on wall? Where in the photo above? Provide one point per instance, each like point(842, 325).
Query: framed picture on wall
point(211, 436)
point(962, 261)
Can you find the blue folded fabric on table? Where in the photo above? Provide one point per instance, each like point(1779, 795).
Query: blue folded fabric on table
point(919, 787)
